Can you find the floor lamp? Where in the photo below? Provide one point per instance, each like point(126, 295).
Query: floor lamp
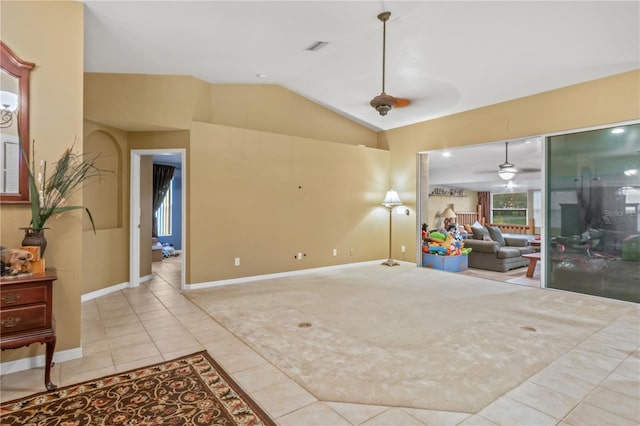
point(391, 200)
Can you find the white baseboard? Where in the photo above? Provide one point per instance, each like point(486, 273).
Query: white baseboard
point(146, 278)
point(38, 361)
point(103, 291)
point(243, 280)
point(111, 289)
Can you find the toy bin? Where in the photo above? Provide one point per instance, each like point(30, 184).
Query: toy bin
point(445, 263)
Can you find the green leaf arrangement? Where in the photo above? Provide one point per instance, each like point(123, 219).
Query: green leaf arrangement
point(50, 192)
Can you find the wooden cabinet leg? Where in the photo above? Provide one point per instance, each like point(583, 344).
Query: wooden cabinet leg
point(51, 345)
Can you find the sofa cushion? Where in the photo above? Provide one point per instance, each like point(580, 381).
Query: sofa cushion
point(516, 241)
point(481, 234)
point(496, 235)
point(508, 252)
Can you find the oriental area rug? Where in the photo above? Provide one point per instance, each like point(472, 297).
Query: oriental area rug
point(190, 390)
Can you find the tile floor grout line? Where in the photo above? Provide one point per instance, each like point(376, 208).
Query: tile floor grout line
point(165, 308)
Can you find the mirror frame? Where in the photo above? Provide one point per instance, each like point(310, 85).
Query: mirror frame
point(20, 69)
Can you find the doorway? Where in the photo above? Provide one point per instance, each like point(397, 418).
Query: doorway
point(464, 185)
point(138, 219)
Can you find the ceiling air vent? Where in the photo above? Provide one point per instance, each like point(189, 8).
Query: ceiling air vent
point(315, 46)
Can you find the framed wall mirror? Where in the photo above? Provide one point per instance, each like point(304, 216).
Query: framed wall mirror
point(14, 126)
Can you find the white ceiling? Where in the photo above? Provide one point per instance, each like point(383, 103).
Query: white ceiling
point(475, 167)
point(446, 57)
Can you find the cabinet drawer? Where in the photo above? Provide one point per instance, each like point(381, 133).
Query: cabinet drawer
point(23, 318)
point(23, 296)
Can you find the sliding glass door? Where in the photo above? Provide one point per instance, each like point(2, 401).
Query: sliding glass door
point(593, 221)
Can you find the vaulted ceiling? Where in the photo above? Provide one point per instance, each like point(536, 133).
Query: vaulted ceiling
point(444, 56)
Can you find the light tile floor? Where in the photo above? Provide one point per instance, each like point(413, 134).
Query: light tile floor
point(597, 383)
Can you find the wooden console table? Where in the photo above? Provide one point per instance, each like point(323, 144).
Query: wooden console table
point(26, 315)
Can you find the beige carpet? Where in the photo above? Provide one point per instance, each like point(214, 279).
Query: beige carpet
point(406, 336)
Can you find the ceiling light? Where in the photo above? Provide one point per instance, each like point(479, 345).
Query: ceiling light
point(9, 100)
point(383, 102)
point(8, 105)
point(617, 130)
point(506, 174)
point(626, 190)
point(631, 172)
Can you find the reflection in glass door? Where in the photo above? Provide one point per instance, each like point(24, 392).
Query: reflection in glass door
point(593, 220)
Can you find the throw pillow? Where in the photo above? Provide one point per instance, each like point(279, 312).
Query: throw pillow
point(480, 233)
point(496, 235)
point(477, 224)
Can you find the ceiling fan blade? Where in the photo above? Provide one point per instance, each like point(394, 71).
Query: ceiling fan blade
point(530, 170)
point(401, 102)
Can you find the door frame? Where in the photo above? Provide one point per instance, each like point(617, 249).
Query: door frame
point(135, 210)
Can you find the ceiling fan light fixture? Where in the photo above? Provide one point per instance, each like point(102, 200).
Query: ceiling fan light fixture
point(383, 103)
point(633, 168)
point(506, 174)
point(506, 170)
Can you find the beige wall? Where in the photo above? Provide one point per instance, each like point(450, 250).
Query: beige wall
point(51, 35)
point(142, 102)
point(608, 100)
point(163, 102)
point(264, 197)
point(106, 253)
point(272, 108)
point(437, 204)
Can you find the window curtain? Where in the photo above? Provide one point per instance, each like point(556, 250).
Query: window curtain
point(484, 201)
point(162, 176)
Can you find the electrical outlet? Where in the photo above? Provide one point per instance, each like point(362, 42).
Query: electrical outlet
point(299, 256)
point(236, 261)
point(403, 249)
point(335, 252)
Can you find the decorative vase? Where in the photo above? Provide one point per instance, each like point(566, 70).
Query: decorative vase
point(35, 237)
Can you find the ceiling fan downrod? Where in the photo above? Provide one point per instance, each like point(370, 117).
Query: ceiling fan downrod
point(506, 164)
point(383, 102)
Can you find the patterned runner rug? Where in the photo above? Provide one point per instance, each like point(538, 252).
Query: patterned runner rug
point(191, 390)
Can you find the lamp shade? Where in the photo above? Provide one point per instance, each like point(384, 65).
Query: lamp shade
point(391, 199)
point(448, 213)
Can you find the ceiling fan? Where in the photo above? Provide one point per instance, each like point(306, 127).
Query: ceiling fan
point(384, 102)
point(506, 170)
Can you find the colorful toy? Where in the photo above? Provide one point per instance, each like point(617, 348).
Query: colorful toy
point(447, 244)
